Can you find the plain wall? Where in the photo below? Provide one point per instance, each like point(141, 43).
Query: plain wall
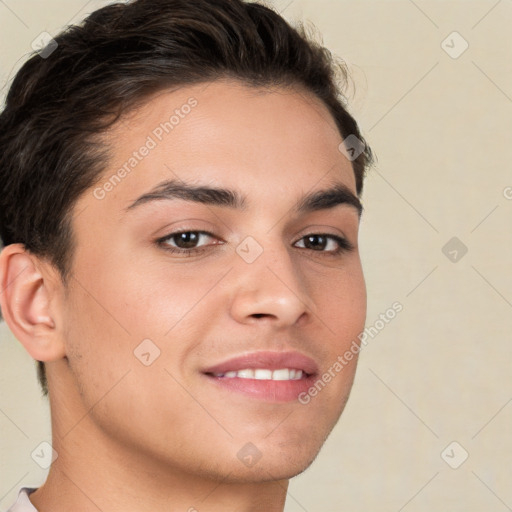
point(439, 372)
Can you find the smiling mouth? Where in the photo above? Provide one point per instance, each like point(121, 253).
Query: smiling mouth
point(281, 374)
point(268, 376)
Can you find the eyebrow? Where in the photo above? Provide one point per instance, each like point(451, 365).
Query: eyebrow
point(324, 199)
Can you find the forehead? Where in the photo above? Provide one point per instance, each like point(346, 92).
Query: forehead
point(228, 134)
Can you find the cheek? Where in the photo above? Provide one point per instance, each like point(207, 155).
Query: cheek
point(101, 331)
point(98, 347)
point(342, 302)
point(127, 310)
point(153, 298)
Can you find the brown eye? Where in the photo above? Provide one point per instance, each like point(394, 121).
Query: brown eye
point(186, 241)
point(330, 244)
point(316, 242)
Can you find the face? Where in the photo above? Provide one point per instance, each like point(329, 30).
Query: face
point(187, 307)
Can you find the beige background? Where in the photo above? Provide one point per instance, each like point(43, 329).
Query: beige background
point(440, 371)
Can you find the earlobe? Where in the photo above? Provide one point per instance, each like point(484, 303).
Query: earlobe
point(26, 303)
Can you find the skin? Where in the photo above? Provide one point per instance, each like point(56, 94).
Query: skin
point(160, 437)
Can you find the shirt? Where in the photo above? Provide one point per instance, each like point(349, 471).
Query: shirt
point(23, 504)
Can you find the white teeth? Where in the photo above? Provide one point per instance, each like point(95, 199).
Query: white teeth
point(283, 374)
point(264, 374)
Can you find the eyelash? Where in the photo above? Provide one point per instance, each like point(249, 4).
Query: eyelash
point(344, 245)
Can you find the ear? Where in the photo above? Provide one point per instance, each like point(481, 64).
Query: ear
point(29, 302)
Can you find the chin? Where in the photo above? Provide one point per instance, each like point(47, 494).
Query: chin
point(276, 462)
point(282, 469)
point(283, 454)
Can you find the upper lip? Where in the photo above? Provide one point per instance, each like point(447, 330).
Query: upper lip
point(269, 360)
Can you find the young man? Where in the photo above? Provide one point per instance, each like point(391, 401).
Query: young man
point(179, 201)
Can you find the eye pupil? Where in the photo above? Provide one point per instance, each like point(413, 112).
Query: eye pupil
point(315, 242)
point(186, 240)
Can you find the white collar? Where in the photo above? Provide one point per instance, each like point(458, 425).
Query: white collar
point(23, 504)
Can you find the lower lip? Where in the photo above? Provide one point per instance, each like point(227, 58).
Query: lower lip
point(267, 390)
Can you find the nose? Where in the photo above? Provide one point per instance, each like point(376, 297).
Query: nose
point(271, 289)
